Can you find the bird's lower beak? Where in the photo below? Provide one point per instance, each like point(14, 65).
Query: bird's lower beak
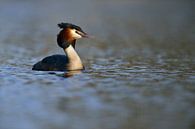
point(85, 36)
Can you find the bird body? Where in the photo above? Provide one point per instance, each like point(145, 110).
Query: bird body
point(66, 39)
point(52, 63)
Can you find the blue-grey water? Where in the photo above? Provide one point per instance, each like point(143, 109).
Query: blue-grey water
point(140, 67)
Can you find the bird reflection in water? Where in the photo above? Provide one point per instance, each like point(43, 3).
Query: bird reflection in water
point(67, 74)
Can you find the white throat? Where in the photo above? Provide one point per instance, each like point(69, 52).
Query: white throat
point(74, 59)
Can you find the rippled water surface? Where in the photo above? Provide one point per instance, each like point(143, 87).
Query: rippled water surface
point(140, 68)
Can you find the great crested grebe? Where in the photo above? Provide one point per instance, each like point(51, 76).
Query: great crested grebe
point(66, 39)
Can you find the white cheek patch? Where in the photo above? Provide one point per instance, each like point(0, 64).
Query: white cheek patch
point(75, 35)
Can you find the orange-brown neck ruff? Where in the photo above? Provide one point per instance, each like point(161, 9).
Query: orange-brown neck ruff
point(65, 37)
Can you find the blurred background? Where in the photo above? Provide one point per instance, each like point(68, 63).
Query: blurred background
point(140, 67)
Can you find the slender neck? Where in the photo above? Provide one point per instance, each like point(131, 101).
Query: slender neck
point(73, 58)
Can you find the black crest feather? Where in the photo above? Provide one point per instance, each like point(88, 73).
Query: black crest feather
point(68, 25)
point(64, 25)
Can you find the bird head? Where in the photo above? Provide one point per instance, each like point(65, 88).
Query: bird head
point(69, 34)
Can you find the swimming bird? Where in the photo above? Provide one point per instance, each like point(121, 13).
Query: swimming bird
point(66, 39)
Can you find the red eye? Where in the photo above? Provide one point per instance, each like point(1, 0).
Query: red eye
point(77, 32)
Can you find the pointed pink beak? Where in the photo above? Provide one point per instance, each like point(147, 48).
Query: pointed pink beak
point(83, 34)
